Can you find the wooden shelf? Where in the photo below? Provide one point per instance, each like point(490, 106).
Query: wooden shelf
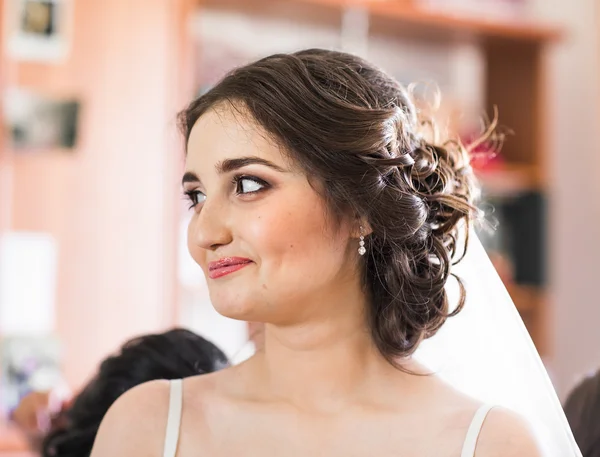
point(509, 179)
point(414, 21)
point(446, 24)
point(526, 298)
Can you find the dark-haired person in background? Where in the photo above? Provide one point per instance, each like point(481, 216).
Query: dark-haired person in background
point(582, 408)
point(174, 354)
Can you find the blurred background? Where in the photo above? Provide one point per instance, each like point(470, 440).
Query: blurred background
point(92, 224)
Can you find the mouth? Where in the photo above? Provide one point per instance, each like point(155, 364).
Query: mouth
point(226, 266)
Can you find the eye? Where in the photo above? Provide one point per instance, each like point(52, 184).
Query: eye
point(194, 197)
point(249, 184)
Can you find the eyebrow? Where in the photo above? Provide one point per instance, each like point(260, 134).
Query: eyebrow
point(229, 165)
point(189, 177)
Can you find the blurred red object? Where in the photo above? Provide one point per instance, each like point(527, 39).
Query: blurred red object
point(485, 156)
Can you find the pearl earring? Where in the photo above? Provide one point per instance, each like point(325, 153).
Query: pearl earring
point(361, 243)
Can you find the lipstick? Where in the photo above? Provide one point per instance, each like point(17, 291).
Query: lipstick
point(226, 266)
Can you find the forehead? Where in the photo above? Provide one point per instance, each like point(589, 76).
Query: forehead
point(224, 133)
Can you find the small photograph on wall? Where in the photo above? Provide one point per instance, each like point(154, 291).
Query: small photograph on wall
point(35, 121)
point(27, 364)
point(38, 29)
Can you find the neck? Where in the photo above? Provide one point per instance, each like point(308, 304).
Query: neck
point(323, 363)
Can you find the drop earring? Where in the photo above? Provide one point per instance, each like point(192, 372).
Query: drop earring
point(361, 243)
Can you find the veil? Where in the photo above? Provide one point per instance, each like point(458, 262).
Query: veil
point(486, 352)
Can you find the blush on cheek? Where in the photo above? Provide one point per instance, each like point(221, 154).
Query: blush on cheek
point(278, 233)
point(294, 242)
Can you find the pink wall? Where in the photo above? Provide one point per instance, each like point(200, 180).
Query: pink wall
point(112, 203)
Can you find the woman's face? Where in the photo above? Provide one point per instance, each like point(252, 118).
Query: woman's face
point(259, 230)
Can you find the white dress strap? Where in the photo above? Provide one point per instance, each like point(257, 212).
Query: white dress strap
point(174, 418)
point(474, 431)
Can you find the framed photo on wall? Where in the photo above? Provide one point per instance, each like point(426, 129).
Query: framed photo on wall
point(39, 122)
point(38, 30)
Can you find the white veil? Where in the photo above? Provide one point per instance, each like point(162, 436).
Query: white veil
point(486, 352)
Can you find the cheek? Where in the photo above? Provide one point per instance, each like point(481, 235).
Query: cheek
point(295, 241)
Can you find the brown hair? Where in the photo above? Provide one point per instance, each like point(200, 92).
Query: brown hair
point(357, 132)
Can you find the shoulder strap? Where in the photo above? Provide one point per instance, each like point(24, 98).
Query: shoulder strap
point(474, 431)
point(174, 418)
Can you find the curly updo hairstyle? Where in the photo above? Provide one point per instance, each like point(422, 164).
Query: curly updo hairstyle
point(356, 131)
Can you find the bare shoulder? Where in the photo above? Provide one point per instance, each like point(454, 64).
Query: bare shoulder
point(506, 434)
point(135, 423)
point(206, 394)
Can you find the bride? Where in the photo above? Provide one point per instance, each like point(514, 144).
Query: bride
point(320, 209)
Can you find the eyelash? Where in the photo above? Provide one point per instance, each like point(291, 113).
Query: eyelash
point(192, 195)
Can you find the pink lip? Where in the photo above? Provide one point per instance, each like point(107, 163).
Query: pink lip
point(225, 266)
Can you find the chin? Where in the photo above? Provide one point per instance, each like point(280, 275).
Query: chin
point(234, 306)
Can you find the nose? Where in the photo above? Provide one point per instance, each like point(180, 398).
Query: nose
point(209, 229)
